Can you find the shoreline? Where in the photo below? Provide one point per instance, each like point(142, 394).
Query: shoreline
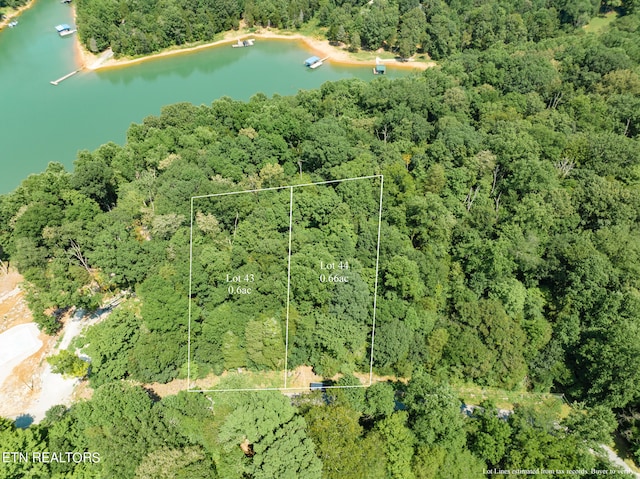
point(337, 55)
point(15, 13)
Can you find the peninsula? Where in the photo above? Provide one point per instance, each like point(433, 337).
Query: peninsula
point(400, 39)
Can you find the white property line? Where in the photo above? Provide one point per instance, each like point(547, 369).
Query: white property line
point(375, 292)
point(275, 188)
point(190, 283)
point(375, 286)
point(277, 389)
point(286, 343)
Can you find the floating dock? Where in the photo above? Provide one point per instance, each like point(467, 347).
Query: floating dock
point(244, 43)
point(379, 70)
point(63, 29)
point(314, 62)
point(61, 79)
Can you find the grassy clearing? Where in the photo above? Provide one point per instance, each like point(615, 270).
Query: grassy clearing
point(310, 29)
point(472, 394)
point(598, 24)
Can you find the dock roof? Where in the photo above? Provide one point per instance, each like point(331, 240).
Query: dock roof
point(62, 27)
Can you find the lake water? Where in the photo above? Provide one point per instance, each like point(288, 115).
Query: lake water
point(40, 122)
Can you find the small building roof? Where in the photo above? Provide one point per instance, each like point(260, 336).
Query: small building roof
point(62, 27)
point(311, 60)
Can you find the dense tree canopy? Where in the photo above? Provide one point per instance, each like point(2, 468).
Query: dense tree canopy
point(438, 28)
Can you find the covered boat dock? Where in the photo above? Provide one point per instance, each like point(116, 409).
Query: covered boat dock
point(311, 61)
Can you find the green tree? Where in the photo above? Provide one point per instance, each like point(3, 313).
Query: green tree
point(398, 442)
point(22, 441)
point(233, 351)
point(434, 412)
point(340, 445)
point(355, 43)
point(265, 343)
point(265, 430)
point(593, 425)
point(94, 177)
point(68, 364)
point(121, 424)
point(412, 30)
point(109, 344)
point(379, 400)
point(187, 463)
point(489, 434)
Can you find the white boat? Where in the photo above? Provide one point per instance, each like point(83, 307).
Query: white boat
point(13, 23)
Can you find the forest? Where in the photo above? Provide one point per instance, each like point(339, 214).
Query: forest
point(12, 3)
point(300, 299)
point(510, 259)
point(439, 28)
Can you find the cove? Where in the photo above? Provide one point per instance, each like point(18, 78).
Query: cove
point(43, 123)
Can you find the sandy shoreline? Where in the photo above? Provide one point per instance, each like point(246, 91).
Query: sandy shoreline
point(319, 47)
point(15, 13)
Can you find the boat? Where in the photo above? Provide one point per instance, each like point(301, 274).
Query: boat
point(12, 23)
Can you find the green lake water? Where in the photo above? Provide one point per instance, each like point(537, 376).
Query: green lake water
point(40, 122)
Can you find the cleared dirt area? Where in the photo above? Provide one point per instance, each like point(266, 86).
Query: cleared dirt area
point(299, 378)
point(27, 385)
point(16, 345)
point(13, 308)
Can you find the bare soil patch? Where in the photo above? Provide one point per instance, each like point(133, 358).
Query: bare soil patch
point(14, 311)
point(27, 385)
point(13, 308)
point(302, 376)
point(23, 384)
